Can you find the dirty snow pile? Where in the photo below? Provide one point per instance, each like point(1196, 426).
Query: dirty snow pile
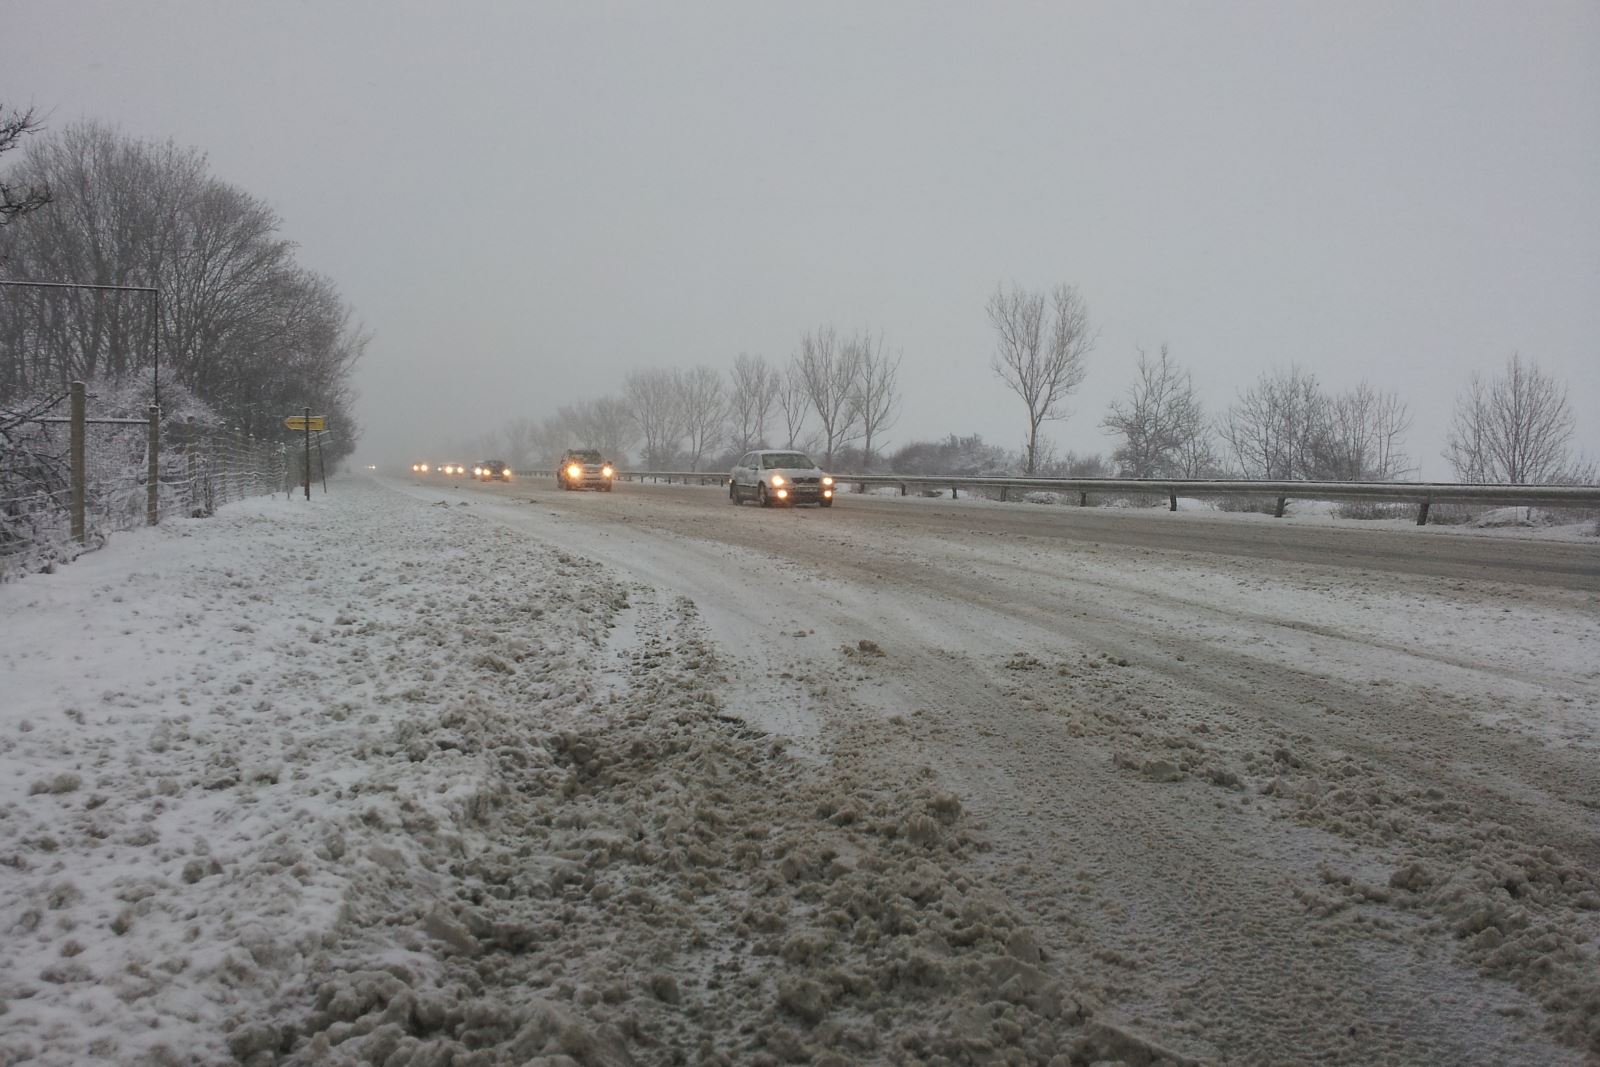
point(372, 781)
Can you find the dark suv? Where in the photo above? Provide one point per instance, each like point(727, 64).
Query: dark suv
point(583, 468)
point(492, 470)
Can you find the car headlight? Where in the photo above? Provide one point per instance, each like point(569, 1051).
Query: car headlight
point(783, 494)
point(423, 468)
point(777, 480)
point(574, 471)
point(827, 479)
point(506, 473)
point(827, 494)
point(606, 471)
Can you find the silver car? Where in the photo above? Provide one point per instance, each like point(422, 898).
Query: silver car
point(779, 476)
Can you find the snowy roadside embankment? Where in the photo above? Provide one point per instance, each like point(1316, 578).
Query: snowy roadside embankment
point(372, 781)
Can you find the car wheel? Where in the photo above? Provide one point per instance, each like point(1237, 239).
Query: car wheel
point(766, 501)
point(733, 494)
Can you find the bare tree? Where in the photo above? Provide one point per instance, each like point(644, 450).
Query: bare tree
point(795, 403)
point(827, 371)
point(1363, 437)
point(755, 388)
point(1517, 429)
point(704, 408)
point(653, 400)
point(1041, 358)
point(18, 201)
point(1159, 421)
point(1196, 456)
point(1272, 431)
point(240, 324)
point(516, 440)
point(876, 393)
point(606, 424)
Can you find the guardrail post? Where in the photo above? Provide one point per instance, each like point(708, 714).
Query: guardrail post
point(1004, 493)
point(1422, 514)
point(1278, 514)
point(78, 472)
point(1083, 500)
point(953, 493)
point(1172, 501)
point(902, 488)
point(152, 482)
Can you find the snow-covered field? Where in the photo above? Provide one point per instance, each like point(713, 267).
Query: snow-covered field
point(414, 775)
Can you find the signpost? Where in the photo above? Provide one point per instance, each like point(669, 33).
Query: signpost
point(307, 423)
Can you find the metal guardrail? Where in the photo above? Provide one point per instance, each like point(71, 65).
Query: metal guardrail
point(1423, 494)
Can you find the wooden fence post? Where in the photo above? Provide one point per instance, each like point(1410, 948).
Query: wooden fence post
point(79, 473)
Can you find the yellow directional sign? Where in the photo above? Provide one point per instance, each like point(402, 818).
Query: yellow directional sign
point(300, 422)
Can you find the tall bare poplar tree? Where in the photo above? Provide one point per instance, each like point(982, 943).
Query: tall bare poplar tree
point(754, 390)
point(876, 392)
point(795, 403)
point(653, 401)
point(827, 370)
point(1040, 351)
point(704, 407)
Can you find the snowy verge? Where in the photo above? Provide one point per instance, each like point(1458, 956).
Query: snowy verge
point(371, 781)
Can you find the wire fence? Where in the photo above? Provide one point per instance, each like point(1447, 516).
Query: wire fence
point(196, 469)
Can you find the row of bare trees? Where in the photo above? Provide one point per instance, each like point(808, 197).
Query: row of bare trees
point(835, 392)
point(239, 323)
point(1515, 428)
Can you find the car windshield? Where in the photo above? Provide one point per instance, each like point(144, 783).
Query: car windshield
point(587, 455)
point(786, 460)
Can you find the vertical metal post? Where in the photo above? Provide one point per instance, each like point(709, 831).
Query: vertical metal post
point(152, 483)
point(1004, 490)
point(1422, 513)
point(308, 453)
point(1083, 499)
point(78, 472)
point(197, 500)
point(1278, 514)
point(1172, 501)
point(155, 377)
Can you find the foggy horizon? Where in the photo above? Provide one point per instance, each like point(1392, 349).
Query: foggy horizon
point(525, 204)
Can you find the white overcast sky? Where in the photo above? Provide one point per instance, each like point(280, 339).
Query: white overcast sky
point(525, 201)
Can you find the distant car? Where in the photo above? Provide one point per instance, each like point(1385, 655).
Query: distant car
point(419, 468)
point(452, 468)
point(584, 468)
point(779, 476)
point(492, 470)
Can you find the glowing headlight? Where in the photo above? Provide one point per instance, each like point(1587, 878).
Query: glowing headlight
point(827, 494)
point(422, 468)
point(783, 494)
point(574, 471)
point(607, 471)
point(777, 480)
point(506, 473)
point(827, 479)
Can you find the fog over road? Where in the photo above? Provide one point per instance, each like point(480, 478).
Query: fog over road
point(1276, 792)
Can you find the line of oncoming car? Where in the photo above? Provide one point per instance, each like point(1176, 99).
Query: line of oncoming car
point(768, 476)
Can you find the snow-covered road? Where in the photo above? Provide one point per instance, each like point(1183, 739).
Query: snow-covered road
point(419, 774)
